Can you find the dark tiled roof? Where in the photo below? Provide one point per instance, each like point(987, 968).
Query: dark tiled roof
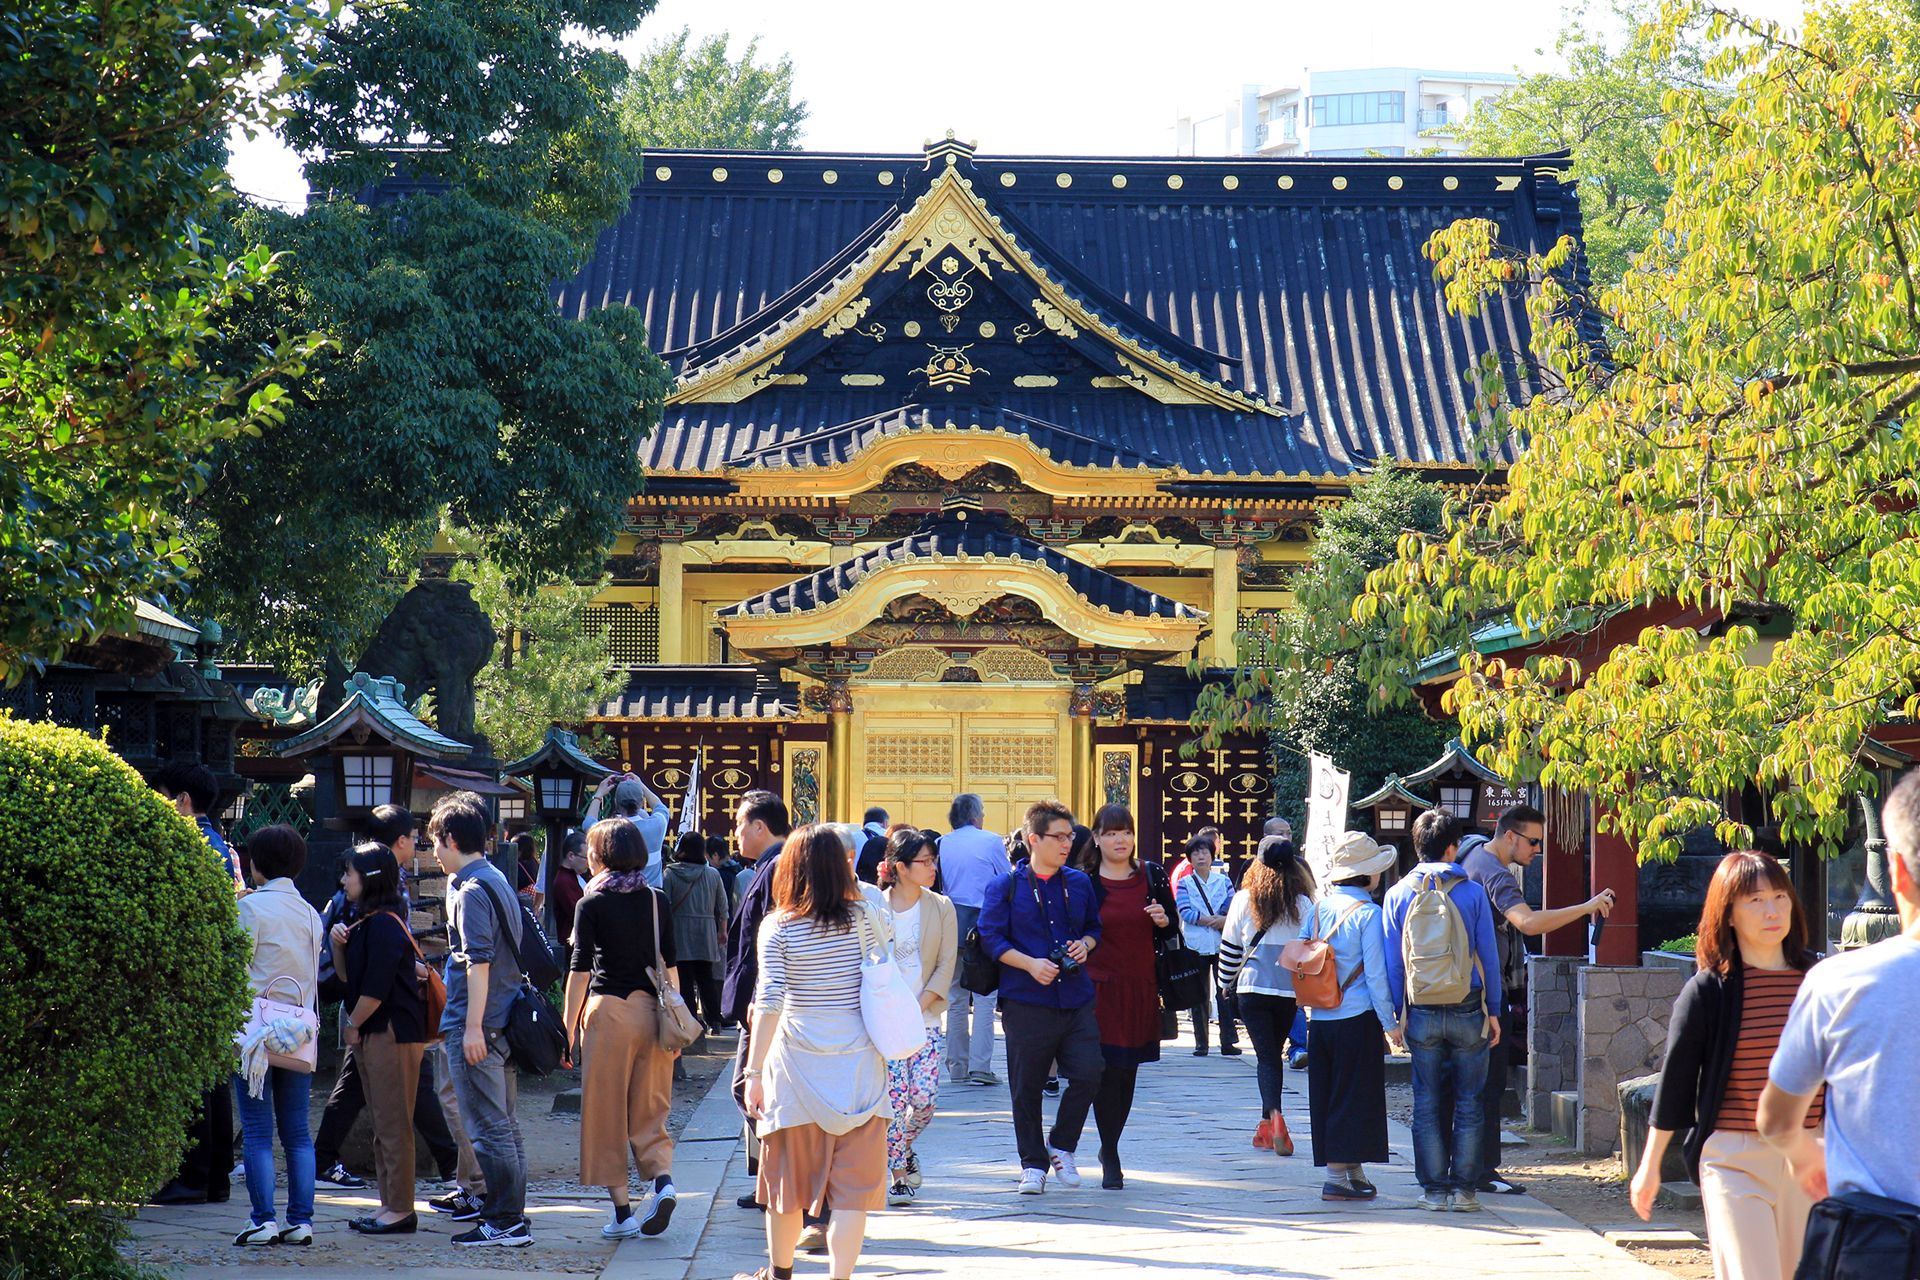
point(1305, 278)
point(947, 535)
point(827, 445)
point(1164, 693)
point(703, 693)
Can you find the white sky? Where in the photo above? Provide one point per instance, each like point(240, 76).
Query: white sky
point(1063, 76)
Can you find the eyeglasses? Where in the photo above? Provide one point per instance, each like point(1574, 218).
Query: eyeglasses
point(930, 860)
point(1537, 842)
point(1062, 836)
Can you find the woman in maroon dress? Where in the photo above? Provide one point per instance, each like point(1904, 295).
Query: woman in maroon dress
point(1136, 912)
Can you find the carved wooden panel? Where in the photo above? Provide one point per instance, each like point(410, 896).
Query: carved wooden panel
point(910, 755)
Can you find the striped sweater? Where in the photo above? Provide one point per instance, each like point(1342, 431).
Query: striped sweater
point(1257, 971)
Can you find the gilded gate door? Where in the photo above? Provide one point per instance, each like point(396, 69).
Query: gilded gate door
point(913, 762)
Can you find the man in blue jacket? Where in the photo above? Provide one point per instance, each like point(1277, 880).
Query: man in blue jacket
point(1030, 922)
point(1450, 1043)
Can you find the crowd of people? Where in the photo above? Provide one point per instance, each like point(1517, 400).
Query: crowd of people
point(1060, 934)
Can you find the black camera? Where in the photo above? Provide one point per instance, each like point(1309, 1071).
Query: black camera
point(1062, 957)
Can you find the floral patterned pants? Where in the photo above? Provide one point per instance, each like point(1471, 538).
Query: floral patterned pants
point(913, 1084)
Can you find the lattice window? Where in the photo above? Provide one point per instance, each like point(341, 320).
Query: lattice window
point(909, 755)
point(1013, 756)
point(513, 808)
point(1014, 664)
point(1458, 801)
point(271, 802)
point(632, 632)
point(915, 662)
point(1390, 819)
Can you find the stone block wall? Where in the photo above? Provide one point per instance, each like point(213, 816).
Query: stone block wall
point(1623, 1014)
point(1553, 1035)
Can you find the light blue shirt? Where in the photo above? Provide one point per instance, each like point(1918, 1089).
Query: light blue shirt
point(971, 859)
point(1359, 939)
point(653, 830)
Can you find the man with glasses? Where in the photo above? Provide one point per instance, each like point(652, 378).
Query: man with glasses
point(1517, 840)
point(1041, 923)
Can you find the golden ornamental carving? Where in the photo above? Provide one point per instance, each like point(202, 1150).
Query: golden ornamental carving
point(719, 175)
point(911, 328)
point(1007, 179)
point(745, 385)
point(1054, 318)
point(910, 755)
point(886, 177)
point(949, 219)
point(1230, 182)
point(1175, 182)
point(1036, 380)
point(829, 177)
point(775, 175)
point(1119, 180)
point(1396, 182)
point(846, 317)
point(662, 173)
point(1014, 755)
point(1339, 184)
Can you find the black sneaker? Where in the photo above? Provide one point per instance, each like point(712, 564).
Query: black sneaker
point(1052, 1087)
point(336, 1175)
point(460, 1206)
point(517, 1236)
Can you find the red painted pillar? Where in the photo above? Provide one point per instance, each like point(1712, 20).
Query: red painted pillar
point(1563, 878)
point(1615, 866)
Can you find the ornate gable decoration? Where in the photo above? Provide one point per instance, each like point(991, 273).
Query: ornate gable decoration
point(947, 300)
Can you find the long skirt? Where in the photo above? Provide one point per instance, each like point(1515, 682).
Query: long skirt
point(1347, 1089)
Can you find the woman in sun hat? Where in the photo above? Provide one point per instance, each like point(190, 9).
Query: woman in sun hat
point(1346, 1075)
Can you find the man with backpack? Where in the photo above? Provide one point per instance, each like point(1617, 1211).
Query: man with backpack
point(1517, 840)
point(1443, 969)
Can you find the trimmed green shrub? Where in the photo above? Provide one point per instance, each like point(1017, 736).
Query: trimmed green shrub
point(122, 982)
point(1681, 946)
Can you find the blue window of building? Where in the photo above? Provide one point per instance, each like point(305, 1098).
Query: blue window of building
point(1358, 108)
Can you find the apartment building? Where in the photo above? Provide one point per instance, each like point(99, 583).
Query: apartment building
point(1391, 111)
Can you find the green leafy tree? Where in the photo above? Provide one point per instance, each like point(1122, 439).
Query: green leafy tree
point(1606, 104)
point(698, 97)
point(123, 977)
point(1745, 448)
point(551, 667)
point(457, 382)
point(1298, 679)
point(110, 160)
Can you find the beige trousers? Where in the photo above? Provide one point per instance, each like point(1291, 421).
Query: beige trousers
point(467, 1174)
point(626, 1090)
point(1756, 1212)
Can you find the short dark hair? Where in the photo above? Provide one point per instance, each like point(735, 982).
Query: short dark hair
point(1521, 815)
point(719, 845)
point(1042, 814)
point(692, 847)
point(1212, 836)
point(573, 842)
point(202, 788)
point(277, 851)
point(764, 806)
point(876, 814)
point(461, 820)
point(379, 878)
point(618, 844)
point(903, 847)
point(1434, 832)
point(1198, 841)
point(525, 846)
point(389, 824)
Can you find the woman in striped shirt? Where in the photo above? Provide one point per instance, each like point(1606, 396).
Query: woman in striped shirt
point(1726, 1024)
point(816, 1087)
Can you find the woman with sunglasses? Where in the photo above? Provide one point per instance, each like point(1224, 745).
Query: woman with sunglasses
point(926, 943)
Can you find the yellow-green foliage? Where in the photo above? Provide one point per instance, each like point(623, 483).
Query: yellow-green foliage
point(122, 982)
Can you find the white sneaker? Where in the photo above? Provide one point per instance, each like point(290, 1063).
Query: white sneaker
point(900, 1195)
point(659, 1212)
point(1064, 1166)
point(618, 1230)
point(1437, 1201)
point(298, 1233)
point(264, 1233)
point(1033, 1181)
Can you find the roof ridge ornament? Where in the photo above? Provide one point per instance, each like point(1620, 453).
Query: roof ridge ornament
point(947, 153)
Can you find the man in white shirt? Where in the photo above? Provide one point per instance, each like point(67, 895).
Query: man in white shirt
point(971, 858)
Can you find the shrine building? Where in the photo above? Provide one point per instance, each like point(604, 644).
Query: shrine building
point(967, 458)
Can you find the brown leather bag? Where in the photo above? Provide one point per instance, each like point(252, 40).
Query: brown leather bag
point(1316, 973)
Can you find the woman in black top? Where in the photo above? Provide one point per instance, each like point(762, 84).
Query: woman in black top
point(1752, 954)
point(626, 1078)
point(384, 1020)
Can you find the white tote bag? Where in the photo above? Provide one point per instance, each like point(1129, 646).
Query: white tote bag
point(887, 1005)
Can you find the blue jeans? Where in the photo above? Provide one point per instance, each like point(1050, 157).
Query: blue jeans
point(488, 1092)
point(282, 1105)
point(1449, 1047)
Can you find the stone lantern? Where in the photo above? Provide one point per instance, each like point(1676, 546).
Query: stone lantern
point(372, 741)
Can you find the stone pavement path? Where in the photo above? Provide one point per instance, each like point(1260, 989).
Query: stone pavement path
point(1200, 1203)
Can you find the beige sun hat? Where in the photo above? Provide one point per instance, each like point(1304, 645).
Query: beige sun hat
point(1358, 854)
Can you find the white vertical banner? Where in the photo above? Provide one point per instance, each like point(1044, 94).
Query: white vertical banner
point(1326, 809)
point(690, 805)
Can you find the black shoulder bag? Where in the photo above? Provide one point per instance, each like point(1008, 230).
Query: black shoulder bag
point(536, 1038)
point(1181, 971)
point(1861, 1236)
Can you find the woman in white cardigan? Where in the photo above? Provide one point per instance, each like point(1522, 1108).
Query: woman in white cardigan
point(1274, 906)
point(926, 942)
